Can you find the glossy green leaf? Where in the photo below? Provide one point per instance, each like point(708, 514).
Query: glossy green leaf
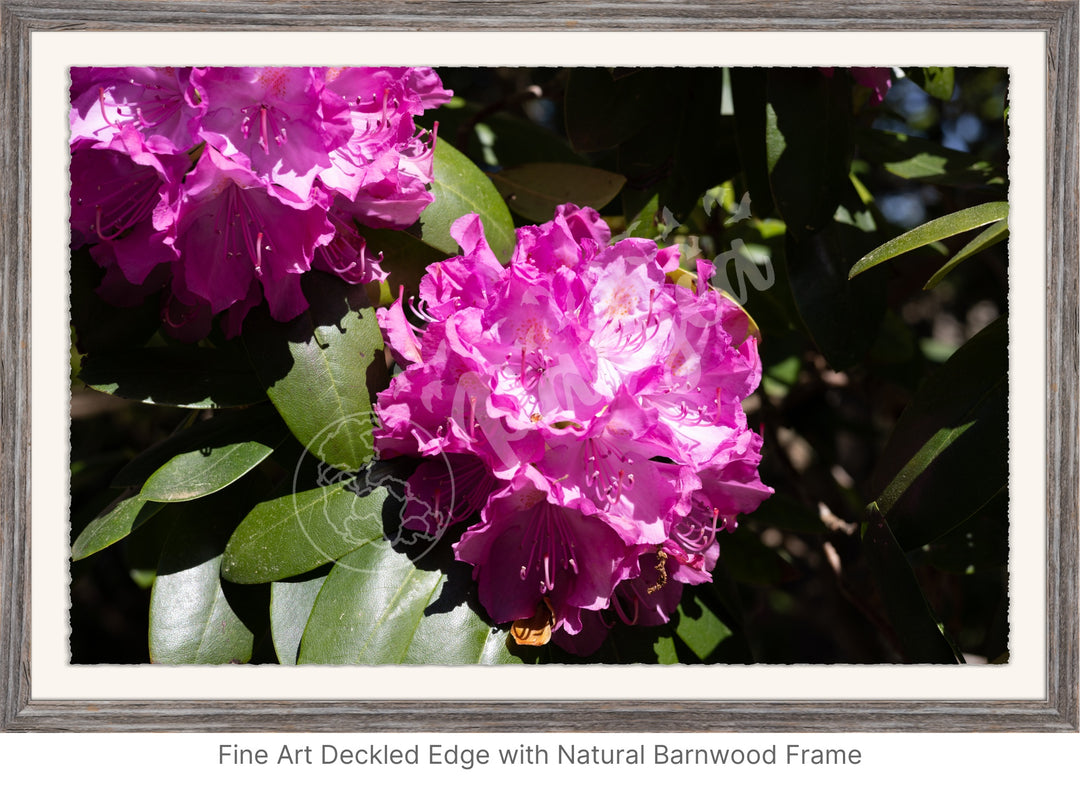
point(113, 525)
point(291, 603)
point(191, 619)
point(461, 188)
point(535, 190)
point(918, 631)
point(203, 472)
point(322, 369)
point(808, 145)
point(992, 235)
point(948, 454)
point(291, 535)
point(142, 549)
point(195, 377)
point(201, 433)
point(938, 81)
point(379, 607)
point(935, 230)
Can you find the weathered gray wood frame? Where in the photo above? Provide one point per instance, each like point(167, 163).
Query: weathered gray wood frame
point(1058, 711)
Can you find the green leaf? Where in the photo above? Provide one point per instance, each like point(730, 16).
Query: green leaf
point(203, 472)
point(291, 535)
point(191, 619)
point(938, 81)
point(918, 631)
point(932, 231)
point(461, 188)
point(322, 369)
point(995, 233)
point(205, 457)
point(533, 191)
point(379, 607)
point(201, 433)
point(915, 158)
point(701, 630)
point(195, 377)
point(142, 549)
point(948, 454)
point(291, 603)
point(112, 525)
point(809, 148)
point(666, 653)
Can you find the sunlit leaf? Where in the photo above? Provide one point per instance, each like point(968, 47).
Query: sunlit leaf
point(935, 230)
point(948, 455)
point(296, 533)
point(461, 188)
point(322, 369)
point(379, 607)
point(291, 603)
point(191, 619)
point(938, 81)
point(994, 234)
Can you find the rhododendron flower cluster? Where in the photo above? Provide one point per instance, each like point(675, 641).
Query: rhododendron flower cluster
point(222, 186)
point(588, 410)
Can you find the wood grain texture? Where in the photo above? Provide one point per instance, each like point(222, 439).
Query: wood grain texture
point(1059, 711)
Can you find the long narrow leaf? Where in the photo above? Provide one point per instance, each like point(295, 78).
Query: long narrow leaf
point(924, 235)
point(917, 627)
point(996, 232)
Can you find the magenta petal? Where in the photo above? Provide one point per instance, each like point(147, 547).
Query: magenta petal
point(529, 549)
point(400, 335)
point(229, 231)
point(445, 491)
point(275, 121)
point(159, 102)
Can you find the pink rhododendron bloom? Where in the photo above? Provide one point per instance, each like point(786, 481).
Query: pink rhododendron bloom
point(231, 229)
point(222, 186)
point(279, 123)
point(877, 79)
point(593, 408)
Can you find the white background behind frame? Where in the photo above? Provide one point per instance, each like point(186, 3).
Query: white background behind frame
point(1023, 678)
